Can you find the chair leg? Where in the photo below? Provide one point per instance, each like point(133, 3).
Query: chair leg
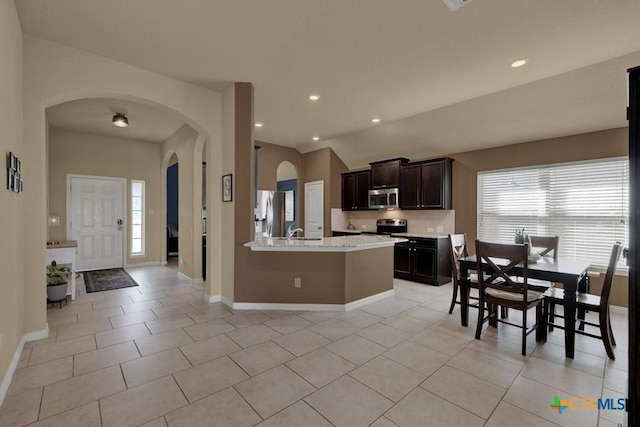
point(524, 332)
point(613, 340)
point(552, 310)
point(455, 296)
point(541, 323)
point(504, 312)
point(604, 332)
point(480, 317)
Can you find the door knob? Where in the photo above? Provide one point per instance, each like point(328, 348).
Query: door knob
point(119, 225)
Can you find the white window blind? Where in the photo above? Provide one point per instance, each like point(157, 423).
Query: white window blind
point(585, 203)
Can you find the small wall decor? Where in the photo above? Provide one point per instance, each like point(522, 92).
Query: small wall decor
point(227, 188)
point(14, 170)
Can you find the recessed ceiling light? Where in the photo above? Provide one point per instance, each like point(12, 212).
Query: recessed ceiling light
point(314, 97)
point(258, 125)
point(375, 120)
point(316, 138)
point(517, 63)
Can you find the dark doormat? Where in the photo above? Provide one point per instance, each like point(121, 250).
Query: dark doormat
point(107, 280)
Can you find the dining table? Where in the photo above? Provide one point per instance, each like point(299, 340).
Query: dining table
point(570, 272)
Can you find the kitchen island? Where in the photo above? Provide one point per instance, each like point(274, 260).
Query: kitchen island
point(331, 273)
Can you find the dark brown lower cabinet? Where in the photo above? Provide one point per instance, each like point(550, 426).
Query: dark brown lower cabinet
point(423, 260)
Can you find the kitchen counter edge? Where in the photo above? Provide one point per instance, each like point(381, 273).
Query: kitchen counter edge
point(325, 244)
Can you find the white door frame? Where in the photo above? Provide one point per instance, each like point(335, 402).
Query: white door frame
point(307, 231)
point(123, 181)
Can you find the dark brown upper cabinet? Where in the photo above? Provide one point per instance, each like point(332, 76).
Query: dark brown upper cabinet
point(355, 190)
point(426, 185)
point(386, 173)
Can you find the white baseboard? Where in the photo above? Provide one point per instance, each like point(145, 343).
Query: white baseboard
point(189, 279)
point(212, 298)
point(307, 307)
point(29, 336)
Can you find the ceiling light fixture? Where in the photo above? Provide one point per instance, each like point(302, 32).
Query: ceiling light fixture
point(258, 125)
point(120, 120)
point(316, 138)
point(375, 120)
point(517, 63)
point(314, 97)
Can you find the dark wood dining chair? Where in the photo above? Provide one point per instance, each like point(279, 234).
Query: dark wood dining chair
point(459, 250)
point(588, 301)
point(499, 287)
point(546, 245)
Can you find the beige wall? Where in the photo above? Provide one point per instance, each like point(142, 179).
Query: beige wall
point(182, 144)
point(80, 153)
point(269, 157)
point(326, 277)
point(324, 165)
point(595, 145)
point(243, 187)
point(337, 167)
point(12, 253)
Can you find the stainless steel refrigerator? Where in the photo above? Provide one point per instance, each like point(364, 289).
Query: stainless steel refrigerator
point(270, 213)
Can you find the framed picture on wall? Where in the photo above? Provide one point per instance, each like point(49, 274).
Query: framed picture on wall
point(227, 188)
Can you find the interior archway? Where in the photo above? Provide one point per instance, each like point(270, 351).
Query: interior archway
point(287, 181)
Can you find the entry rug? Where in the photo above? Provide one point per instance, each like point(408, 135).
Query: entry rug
point(107, 280)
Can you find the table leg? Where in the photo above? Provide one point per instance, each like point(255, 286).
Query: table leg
point(570, 319)
point(464, 299)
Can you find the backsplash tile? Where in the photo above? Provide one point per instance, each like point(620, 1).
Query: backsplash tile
point(418, 221)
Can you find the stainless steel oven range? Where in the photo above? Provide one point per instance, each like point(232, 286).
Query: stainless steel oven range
point(389, 226)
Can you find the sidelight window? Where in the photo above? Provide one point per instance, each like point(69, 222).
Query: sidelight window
point(585, 203)
point(137, 218)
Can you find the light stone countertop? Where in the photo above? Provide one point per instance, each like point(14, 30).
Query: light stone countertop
point(324, 244)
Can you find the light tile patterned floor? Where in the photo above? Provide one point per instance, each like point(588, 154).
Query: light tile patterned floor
point(158, 355)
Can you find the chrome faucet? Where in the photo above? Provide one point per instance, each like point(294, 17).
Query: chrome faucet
point(291, 232)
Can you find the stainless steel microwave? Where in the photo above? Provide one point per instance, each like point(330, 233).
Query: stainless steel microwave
point(386, 198)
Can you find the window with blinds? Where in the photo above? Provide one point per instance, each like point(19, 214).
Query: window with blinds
point(585, 203)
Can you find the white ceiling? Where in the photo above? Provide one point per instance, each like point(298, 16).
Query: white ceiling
point(439, 80)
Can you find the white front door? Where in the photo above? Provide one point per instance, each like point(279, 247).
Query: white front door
point(314, 209)
point(96, 220)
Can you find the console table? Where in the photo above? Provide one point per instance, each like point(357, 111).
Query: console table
point(64, 253)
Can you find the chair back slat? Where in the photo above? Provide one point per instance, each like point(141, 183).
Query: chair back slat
point(611, 271)
point(498, 276)
point(547, 244)
point(458, 250)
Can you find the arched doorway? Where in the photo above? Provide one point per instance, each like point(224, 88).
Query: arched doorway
point(287, 181)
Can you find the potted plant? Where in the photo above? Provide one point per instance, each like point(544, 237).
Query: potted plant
point(57, 277)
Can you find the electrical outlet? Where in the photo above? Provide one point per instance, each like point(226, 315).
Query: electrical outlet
point(429, 229)
point(297, 282)
point(440, 229)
